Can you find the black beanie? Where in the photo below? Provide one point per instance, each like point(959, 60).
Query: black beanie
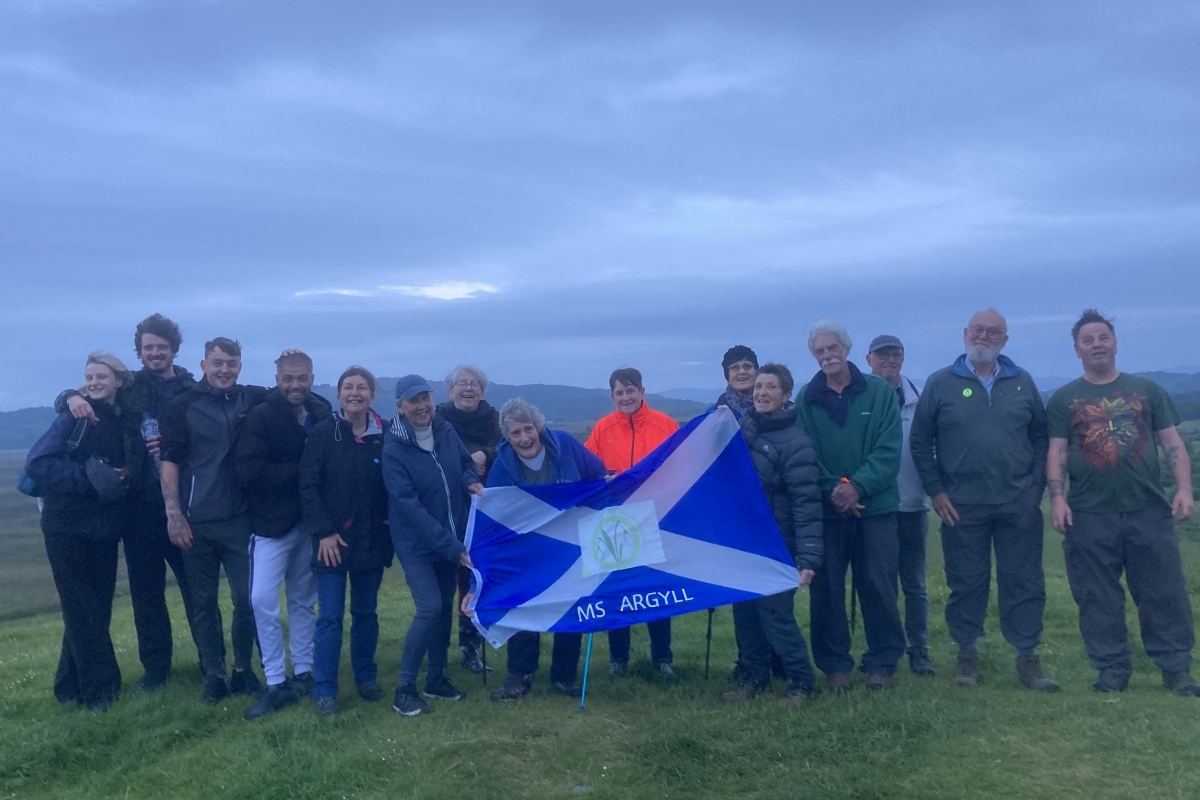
point(739, 352)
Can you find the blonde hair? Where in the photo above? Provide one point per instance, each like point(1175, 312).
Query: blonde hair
point(119, 370)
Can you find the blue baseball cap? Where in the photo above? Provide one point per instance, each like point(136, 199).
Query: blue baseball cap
point(410, 386)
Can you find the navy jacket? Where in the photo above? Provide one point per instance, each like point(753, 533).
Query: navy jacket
point(428, 503)
point(571, 461)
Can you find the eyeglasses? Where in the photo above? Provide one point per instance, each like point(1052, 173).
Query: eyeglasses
point(467, 385)
point(990, 333)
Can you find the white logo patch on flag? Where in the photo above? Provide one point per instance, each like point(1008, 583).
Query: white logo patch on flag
point(620, 537)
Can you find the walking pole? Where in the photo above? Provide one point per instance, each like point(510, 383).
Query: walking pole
point(483, 657)
point(587, 662)
point(708, 643)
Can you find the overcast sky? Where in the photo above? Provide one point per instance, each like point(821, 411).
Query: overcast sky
point(555, 190)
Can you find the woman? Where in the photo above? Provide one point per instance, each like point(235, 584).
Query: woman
point(739, 365)
point(786, 462)
point(428, 474)
point(81, 467)
point(478, 425)
point(344, 507)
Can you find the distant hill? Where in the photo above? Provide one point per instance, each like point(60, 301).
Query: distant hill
point(20, 429)
point(705, 396)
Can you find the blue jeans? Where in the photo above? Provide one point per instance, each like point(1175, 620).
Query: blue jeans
point(432, 587)
point(364, 629)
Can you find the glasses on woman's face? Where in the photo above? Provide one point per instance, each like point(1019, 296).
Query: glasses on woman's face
point(467, 385)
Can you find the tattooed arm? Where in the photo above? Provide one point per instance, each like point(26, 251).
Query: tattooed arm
point(177, 525)
point(1056, 470)
point(1180, 462)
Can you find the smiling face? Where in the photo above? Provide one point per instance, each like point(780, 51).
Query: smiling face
point(1096, 347)
point(156, 355)
point(524, 438)
point(741, 376)
point(221, 368)
point(985, 336)
point(769, 396)
point(466, 391)
point(100, 383)
point(886, 363)
point(295, 382)
point(830, 353)
point(627, 397)
point(355, 395)
point(418, 411)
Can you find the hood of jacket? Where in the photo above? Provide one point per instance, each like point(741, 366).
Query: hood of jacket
point(1005, 367)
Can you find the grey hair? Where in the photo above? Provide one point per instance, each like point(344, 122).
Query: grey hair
point(829, 326)
point(518, 410)
point(452, 378)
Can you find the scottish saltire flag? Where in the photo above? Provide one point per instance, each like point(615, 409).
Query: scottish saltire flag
point(688, 528)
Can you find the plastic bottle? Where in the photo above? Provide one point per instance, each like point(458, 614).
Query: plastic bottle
point(150, 431)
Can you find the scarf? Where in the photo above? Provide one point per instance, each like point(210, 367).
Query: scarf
point(740, 406)
point(480, 427)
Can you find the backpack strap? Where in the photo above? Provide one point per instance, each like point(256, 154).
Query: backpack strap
point(77, 434)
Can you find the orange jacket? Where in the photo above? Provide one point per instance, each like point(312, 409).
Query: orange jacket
point(622, 440)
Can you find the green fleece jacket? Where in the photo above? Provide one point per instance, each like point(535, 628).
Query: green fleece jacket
point(866, 449)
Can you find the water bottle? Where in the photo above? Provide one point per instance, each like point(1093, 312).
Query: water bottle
point(150, 431)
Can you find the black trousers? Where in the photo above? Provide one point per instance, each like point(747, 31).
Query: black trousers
point(148, 553)
point(432, 587)
point(1143, 545)
point(766, 624)
point(660, 642)
point(870, 545)
point(85, 574)
point(913, 527)
point(524, 649)
point(216, 545)
point(1015, 531)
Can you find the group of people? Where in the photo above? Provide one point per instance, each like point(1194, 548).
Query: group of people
point(284, 492)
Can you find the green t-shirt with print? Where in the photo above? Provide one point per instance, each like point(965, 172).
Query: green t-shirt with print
point(1111, 431)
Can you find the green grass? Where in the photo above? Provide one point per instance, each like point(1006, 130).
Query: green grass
point(638, 737)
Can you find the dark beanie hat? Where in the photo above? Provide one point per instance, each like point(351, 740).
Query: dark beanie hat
point(739, 352)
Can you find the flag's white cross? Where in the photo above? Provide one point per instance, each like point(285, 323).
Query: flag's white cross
point(688, 558)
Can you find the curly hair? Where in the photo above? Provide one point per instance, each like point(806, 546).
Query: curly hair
point(157, 325)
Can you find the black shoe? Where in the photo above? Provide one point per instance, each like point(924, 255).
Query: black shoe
point(796, 694)
point(471, 660)
point(618, 669)
point(920, 664)
point(273, 699)
point(567, 689)
point(878, 682)
point(1181, 683)
point(408, 703)
point(244, 681)
point(326, 707)
point(747, 691)
point(666, 670)
point(302, 684)
point(515, 686)
point(216, 689)
point(1029, 672)
point(839, 683)
point(443, 689)
point(966, 668)
point(1111, 680)
point(150, 683)
point(370, 692)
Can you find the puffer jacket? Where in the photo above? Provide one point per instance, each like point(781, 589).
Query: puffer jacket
point(786, 461)
point(622, 440)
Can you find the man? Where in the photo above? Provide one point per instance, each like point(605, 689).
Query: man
point(148, 551)
point(1117, 518)
point(885, 357)
point(620, 440)
point(739, 365)
point(206, 513)
point(979, 442)
point(854, 422)
point(267, 462)
point(532, 454)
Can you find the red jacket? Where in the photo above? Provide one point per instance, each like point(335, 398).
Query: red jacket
point(622, 440)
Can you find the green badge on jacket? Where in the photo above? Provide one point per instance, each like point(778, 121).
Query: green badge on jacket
point(967, 392)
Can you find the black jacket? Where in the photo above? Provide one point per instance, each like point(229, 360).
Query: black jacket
point(71, 504)
point(199, 433)
point(786, 461)
point(267, 461)
point(428, 502)
point(478, 429)
point(341, 491)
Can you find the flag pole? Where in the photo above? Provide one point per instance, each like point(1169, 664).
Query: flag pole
point(483, 657)
point(587, 662)
point(708, 643)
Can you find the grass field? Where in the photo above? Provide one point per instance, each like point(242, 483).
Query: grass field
point(638, 738)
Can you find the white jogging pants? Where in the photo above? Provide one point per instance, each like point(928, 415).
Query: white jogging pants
point(286, 560)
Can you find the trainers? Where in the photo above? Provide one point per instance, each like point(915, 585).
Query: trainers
point(442, 689)
point(920, 664)
point(796, 694)
point(326, 707)
point(839, 682)
point(150, 683)
point(1111, 680)
point(966, 668)
point(747, 691)
point(244, 681)
point(667, 671)
point(564, 688)
point(1029, 672)
point(1181, 683)
point(471, 660)
point(273, 699)
point(408, 703)
point(618, 669)
point(879, 683)
point(216, 689)
point(370, 692)
point(515, 686)
point(302, 684)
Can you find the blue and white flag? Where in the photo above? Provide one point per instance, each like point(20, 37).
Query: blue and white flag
point(686, 529)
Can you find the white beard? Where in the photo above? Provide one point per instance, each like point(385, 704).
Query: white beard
point(982, 353)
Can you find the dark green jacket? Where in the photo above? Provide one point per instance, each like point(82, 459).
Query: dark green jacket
point(866, 449)
point(981, 449)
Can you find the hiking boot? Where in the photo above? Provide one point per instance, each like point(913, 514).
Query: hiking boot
point(515, 686)
point(839, 682)
point(150, 683)
point(471, 660)
point(273, 699)
point(746, 691)
point(244, 681)
point(1029, 672)
point(567, 689)
point(919, 663)
point(618, 669)
point(1111, 680)
point(879, 683)
point(326, 707)
point(442, 689)
point(370, 692)
point(966, 668)
point(1181, 683)
point(408, 703)
point(302, 684)
point(216, 689)
point(666, 670)
point(796, 694)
